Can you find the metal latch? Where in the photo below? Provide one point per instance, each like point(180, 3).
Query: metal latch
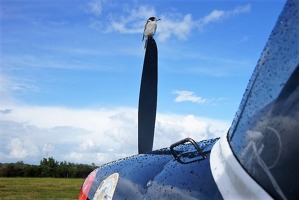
point(188, 154)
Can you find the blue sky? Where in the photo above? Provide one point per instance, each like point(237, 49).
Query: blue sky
point(70, 73)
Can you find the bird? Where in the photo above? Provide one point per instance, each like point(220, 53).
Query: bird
point(150, 29)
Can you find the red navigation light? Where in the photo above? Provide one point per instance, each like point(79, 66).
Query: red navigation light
point(86, 185)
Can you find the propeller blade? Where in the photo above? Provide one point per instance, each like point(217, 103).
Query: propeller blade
point(148, 98)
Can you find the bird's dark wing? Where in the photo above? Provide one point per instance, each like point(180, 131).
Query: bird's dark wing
point(144, 30)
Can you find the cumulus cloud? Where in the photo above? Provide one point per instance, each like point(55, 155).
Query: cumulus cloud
point(131, 20)
point(171, 127)
point(95, 7)
point(184, 95)
point(18, 148)
point(173, 26)
point(29, 133)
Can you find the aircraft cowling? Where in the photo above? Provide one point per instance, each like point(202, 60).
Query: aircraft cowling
point(158, 175)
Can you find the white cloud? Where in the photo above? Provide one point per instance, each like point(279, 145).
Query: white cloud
point(86, 145)
point(95, 7)
point(9, 85)
point(218, 15)
point(16, 149)
point(174, 26)
point(21, 148)
point(184, 95)
point(131, 20)
point(241, 9)
point(30, 133)
point(170, 128)
point(214, 16)
point(5, 85)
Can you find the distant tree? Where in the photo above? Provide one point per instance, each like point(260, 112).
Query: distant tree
point(32, 171)
point(19, 169)
point(48, 167)
point(4, 170)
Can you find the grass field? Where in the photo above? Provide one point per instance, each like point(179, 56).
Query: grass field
point(39, 188)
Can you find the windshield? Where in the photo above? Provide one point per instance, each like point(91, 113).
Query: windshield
point(264, 134)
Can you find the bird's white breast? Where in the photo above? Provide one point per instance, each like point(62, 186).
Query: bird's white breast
point(150, 29)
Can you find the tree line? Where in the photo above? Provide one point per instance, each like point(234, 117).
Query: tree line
point(48, 167)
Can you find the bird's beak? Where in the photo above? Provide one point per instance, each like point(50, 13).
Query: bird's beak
point(158, 19)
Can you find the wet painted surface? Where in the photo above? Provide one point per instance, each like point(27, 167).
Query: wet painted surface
point(264, 135)
point(159, 176)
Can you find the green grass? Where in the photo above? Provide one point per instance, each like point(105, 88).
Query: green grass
point(39, 188)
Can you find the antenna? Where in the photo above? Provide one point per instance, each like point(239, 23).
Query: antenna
point(47, 149)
